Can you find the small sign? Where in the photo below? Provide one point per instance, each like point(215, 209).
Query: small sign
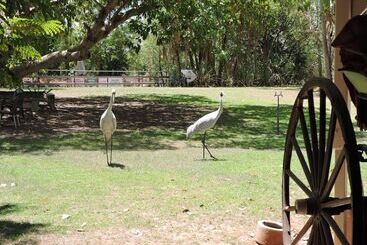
point(91, 80)
point(189, 75)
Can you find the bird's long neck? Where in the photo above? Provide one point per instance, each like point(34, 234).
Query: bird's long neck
point(112, 99)
point(220, 109)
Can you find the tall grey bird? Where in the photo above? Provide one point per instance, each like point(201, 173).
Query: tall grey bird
point(204, 123)
point(108, 126)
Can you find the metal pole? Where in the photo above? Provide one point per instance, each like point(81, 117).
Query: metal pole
point(278, 109)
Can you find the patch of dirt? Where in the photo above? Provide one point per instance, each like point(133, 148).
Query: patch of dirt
point(83, 114)
point(175, 144)
point(186, 229)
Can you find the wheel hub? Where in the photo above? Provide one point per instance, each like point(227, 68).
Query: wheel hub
point(308, 206)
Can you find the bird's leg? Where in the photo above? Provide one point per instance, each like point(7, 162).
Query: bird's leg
point(210, 153)
point(203, 142)
point(105, 142)
point(206, 147)
point(111, 151)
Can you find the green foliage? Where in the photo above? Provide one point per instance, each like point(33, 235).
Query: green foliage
point(26, 53)
point(24, 27)
point(112, 53)
point(226, 42)
point(148, 57)
point(20, 30)
point(236, 42)
point(17, 36)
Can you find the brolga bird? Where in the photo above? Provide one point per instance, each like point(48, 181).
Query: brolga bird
point(107, 124)
point(205, 123)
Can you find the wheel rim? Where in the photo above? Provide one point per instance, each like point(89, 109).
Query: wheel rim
point(310, 139)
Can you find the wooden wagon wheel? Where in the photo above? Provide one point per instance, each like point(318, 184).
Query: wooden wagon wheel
point(319, 107)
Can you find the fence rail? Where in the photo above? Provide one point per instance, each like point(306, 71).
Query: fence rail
point(77, 78)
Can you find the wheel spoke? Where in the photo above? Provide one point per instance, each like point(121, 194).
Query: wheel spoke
point(329, 149)
point(316, 235)
point(327, 233)
point(307, 142)
point(311, 135)
point(322, 135)
point(299, 182)
point(312, 237)
point(313, 127)
point(302, 161)
point(303, 231)
point(336, 203)
point(320, 232)
point(289, 208)
point(334, 175)
point(335, 227)
point(286, 228)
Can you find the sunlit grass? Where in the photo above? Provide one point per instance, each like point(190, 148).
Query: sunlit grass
point(248, 96)
point(154, 184)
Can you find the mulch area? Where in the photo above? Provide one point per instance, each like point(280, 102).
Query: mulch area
point(83, 114)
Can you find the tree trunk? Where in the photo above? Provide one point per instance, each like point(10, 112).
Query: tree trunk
point(266, 49)
point(254, 69)
point(325, 37)
point(191, 58)
point(178, 59)
point(235, 76)
point(222, 62)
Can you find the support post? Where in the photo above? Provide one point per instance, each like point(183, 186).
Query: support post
point(343, 14)
point(278, 110)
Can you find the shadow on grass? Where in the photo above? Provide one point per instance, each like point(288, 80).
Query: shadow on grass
point(117, 165)
point(145, 122)
point(11, 230)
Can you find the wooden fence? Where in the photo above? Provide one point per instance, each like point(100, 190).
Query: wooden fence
point(75, 78)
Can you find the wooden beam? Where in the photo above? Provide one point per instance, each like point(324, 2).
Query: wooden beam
point(358, 7)
point(345, 9)
point(343, 14)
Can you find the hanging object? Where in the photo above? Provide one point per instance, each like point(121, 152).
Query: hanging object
point(353, 52)
point(80, 68)
point(189, 75)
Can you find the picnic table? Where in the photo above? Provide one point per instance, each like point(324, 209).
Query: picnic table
point(13, 103)
point(39, 98)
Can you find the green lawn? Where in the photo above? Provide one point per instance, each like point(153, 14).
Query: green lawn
point(58, 165)
point(160, 183)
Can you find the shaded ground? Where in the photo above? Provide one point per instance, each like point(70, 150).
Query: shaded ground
point(83, 114)
point(145, 122)
point(10, 230)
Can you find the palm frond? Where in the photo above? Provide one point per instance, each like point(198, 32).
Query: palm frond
point(27, 52)
point(24, 27)
point(51, 27)
point(2, 5)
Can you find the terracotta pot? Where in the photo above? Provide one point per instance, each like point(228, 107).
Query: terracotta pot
point(269, 233)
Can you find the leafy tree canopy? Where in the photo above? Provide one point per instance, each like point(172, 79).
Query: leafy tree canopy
point(226, 42)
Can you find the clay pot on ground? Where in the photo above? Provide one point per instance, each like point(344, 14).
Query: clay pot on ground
point(269, 233)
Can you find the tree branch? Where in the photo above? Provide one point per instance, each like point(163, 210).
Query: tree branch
point(97, 32)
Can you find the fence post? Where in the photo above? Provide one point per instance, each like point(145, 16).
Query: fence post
point(73, 78)
point(278, 109)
